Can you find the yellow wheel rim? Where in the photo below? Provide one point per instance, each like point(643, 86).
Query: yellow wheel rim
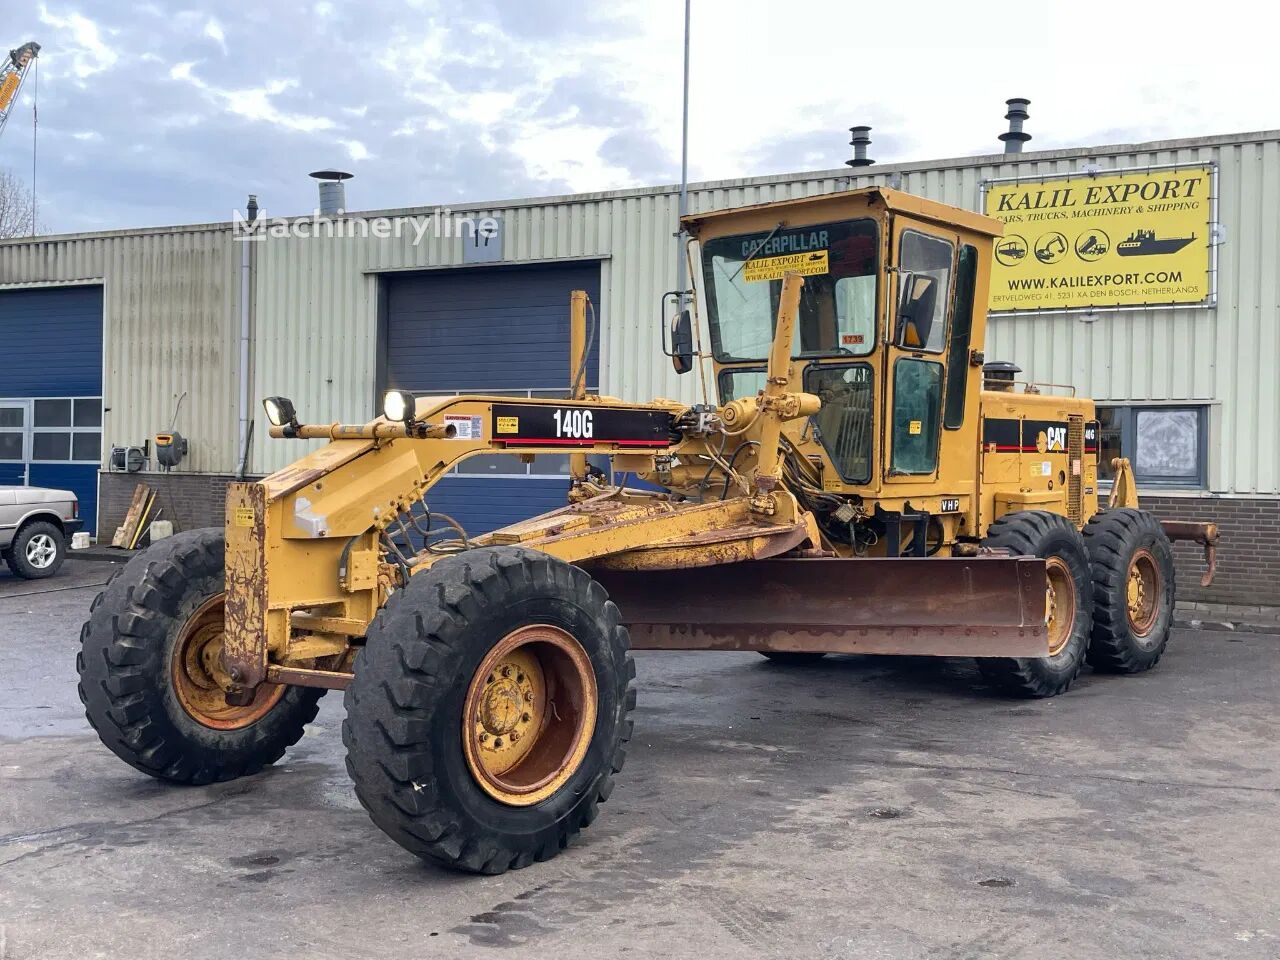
point(1142, 593)
point(200, 680)
point(529, 715)
point(1061, 604)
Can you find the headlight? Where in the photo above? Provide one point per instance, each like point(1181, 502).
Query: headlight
point(399, 406)
point(279, 411)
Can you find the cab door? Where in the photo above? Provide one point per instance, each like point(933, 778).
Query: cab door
point(923, 267)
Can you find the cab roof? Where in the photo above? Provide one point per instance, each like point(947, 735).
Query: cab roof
point(892, 200)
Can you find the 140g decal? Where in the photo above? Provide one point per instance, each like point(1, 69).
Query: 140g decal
point(575, 424)
point(544, 425)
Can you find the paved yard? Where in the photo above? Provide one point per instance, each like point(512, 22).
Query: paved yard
point(861, 808)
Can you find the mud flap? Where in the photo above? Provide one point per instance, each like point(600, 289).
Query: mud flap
point(963, 607)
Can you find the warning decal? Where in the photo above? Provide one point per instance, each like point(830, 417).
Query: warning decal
point(775, 268)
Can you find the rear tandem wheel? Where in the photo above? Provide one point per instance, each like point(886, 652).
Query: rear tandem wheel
point(1039, 533)
point(1133, 590)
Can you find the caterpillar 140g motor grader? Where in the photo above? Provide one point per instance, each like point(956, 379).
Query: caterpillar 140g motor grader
point(854, 488)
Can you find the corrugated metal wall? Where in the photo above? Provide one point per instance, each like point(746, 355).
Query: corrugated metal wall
point(170, 326)
point(1223, 356)
point(172, 321)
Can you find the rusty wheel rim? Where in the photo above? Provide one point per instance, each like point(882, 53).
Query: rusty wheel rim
point(529, 715)
point(199, 679)
point(1062, 604)
point(1142, 593)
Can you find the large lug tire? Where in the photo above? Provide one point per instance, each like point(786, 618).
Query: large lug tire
point(1050, 536)
point(789, 658)
point(1133, 590)
point(37, 550)
point(449, 665)
point(147, 648)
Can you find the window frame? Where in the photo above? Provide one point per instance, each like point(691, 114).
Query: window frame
point(816, 369)
point(70, 431)
point(934, 361)
point(706, 253)
point(727, 374)
point(956, 376)
point(946, 301)
point(1128, 425)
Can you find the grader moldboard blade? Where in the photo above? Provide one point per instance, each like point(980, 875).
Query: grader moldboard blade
point(979, 607)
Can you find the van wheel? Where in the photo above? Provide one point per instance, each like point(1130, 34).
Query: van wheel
point(1133, 590)
point(1039, 533)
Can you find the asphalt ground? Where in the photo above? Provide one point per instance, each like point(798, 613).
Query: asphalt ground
point(863, 807)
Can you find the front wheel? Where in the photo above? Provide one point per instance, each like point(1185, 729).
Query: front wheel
point(1038, 533)
point(489, 710)
point(151, 672)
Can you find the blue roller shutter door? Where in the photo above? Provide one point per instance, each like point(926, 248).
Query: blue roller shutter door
point(479, 330)
point(51, 380)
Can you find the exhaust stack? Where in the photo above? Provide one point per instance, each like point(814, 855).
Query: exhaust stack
point(1015, 137)
point(861, 139)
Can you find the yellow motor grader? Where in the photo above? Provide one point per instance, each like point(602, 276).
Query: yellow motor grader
point(853, 487)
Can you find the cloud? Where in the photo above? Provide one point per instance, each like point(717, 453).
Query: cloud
point(172, 110)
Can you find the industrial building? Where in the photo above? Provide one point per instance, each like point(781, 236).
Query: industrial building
point(118, 336)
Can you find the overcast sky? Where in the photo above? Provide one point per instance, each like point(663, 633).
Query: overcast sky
point(171, 112)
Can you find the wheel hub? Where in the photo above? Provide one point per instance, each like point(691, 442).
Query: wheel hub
point(1142, 593)
point(200, 679)
point(529, 715)
point(1060, 604)
point(41, 551)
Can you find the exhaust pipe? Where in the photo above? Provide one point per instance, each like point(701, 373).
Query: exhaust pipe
point(1015, 137)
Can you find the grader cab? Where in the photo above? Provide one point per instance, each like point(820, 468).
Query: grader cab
point(847, 484)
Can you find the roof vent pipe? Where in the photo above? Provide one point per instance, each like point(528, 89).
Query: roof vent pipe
point(333, 193)
point(860, 141)
point(251, 208)
point(1016, 137)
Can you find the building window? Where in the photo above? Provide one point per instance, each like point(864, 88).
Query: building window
point(1165, 445)
point(66, 430)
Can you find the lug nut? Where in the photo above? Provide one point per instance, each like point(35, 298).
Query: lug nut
point(528, 696)
point(506, 671)
point(484, 738)
point(515, 735)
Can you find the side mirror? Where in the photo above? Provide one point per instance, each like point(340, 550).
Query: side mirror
point(917, 298)
point(682, 342)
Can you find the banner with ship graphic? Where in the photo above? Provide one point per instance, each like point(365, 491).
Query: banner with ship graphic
point(1125, 238)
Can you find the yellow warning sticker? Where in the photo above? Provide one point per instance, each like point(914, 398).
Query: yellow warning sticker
point(775, 268)
point(508, 424)
point(243, 516)
point(913, 427)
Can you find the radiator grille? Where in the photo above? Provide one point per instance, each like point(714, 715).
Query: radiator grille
point(1075, 468)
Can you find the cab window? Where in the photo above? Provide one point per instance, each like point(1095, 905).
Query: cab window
point(926, 256)
point(917, 402)
point(743, 281)
point(961, 329)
